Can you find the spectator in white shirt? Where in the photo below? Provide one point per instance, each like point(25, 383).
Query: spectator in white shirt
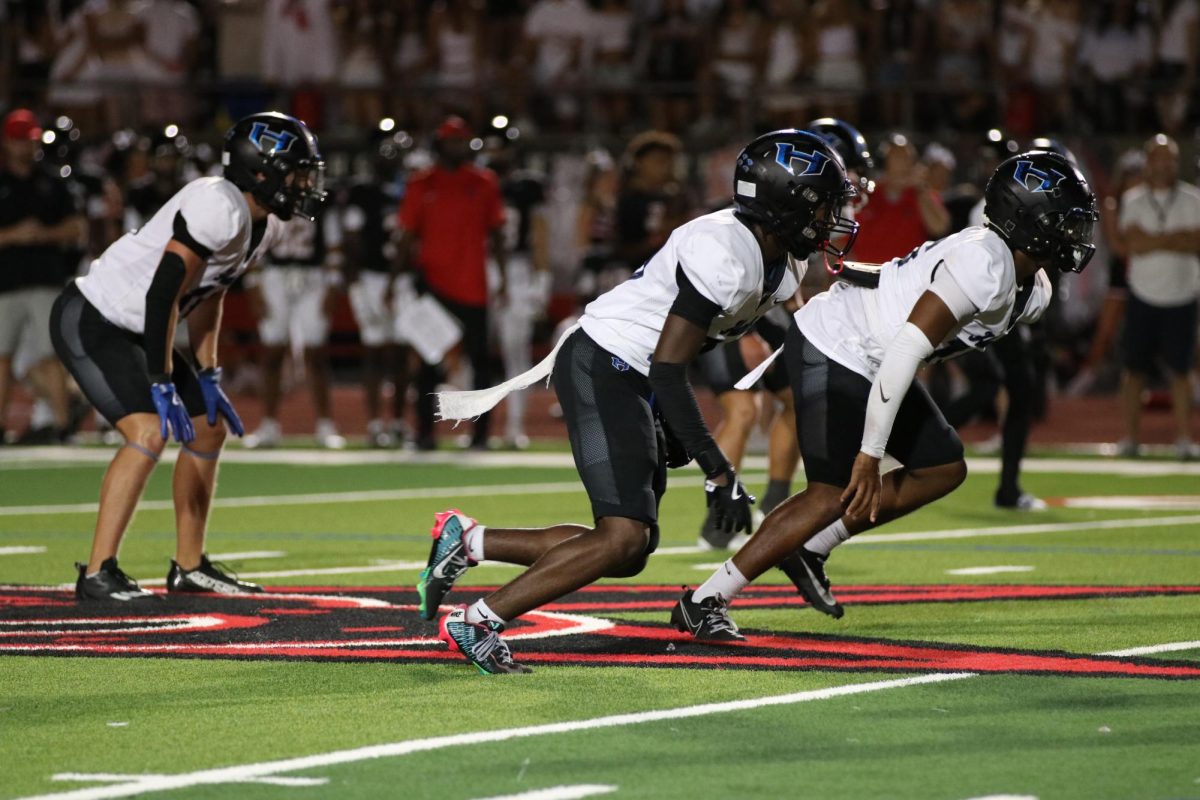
point(1160, 230)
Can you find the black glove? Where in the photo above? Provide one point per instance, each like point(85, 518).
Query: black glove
point(730, 504)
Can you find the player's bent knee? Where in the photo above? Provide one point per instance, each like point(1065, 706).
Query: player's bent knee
point(145, 437)
point(209, 438)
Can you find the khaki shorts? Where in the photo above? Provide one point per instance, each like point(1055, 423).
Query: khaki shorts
point(25, 324)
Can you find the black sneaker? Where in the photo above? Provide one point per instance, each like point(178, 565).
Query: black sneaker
point(207, 578)
point(707, 620)
point(807, 571)
point(109, 583)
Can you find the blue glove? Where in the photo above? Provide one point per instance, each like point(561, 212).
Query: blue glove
point(216, 401)
point(171, 413)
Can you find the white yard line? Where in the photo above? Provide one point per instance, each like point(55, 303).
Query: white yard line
point(22, 550)
point(559, 793)
point(268, 769)
point(249, 555)
point(244, 772)
point(108, 777)
point(54, 457)
point(1153, 649)
point(987, 570)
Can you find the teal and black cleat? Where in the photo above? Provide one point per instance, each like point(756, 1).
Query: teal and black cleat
point(448, 559)
point(480, 643)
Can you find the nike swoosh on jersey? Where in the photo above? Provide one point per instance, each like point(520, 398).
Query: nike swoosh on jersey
point(883, 396)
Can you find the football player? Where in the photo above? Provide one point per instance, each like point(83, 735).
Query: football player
point(852, 355)
point(114, 329)
point(621, 377)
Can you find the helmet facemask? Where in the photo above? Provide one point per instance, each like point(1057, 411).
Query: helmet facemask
point(292, 187)
point(1065, 240)
point(818, 223)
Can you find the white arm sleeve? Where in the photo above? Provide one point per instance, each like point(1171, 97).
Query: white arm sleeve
point(900, 364)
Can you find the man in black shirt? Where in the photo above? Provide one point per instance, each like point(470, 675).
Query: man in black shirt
point(38, 223)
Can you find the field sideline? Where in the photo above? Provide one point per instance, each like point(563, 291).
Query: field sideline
point(983, 653)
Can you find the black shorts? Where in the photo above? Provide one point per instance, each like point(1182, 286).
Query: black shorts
point(1156, 332)
point(109, 363)
point(615, 437)
point(831, 411)
point(723, 366)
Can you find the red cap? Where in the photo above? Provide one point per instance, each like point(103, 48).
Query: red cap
point(22, 124)
point(453, 128)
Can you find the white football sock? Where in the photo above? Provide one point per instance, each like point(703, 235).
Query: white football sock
point(480, 613)
point(727, 581)
point(473, 539)
point(825, 540)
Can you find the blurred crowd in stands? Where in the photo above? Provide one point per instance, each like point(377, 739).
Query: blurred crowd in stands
point(626, 114)
point(611, 66)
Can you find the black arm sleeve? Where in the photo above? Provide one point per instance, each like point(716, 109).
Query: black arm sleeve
point(691, 305)
point(160, 299)
point(673, 393)
point(182, 235)
point(677, 403)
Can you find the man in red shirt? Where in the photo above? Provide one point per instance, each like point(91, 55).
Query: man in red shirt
point(903, 212)
point(451, 215)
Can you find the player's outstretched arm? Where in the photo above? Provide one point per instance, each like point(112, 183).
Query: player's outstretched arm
point(930, 322)
point(682, 337)
point(178, 269)
point(204, 331)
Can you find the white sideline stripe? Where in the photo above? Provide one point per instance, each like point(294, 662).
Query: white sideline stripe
point(1178, 502)
point(391, 566)
point(1153, 649)
point(249, 555)
point(243, 772)
point(1007, 797)
point(559, 793)
point(21, 550)
point(108, 777)
point(56, 456)
point(987, 570)
point(1016, 530)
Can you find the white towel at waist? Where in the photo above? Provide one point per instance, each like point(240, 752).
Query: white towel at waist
point(471, 404)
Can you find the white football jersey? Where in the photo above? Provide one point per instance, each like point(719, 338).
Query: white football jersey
point(217, 218)
point(721, 259)
point(854, 325)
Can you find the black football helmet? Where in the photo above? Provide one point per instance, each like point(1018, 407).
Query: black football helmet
point(847, 141)
point(262, 150)
point(794, 184)
point(1041, 205)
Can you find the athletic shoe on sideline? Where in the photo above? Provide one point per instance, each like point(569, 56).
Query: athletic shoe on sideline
point(707, 620)
point(1022, 502)
point(109, 583)
point(327, 435)
point(448, 559)
point(806, 570)
point(266, 436)
point(207, 578)
point(480, 643)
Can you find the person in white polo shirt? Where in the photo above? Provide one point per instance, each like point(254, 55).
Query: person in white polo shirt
point(1160, 226)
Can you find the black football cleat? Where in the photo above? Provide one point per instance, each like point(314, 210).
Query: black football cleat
point(806, 570)
point(707, 620)
point(109, 583)
point(207, 578)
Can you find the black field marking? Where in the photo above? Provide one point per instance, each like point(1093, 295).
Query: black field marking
point(381, 624)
